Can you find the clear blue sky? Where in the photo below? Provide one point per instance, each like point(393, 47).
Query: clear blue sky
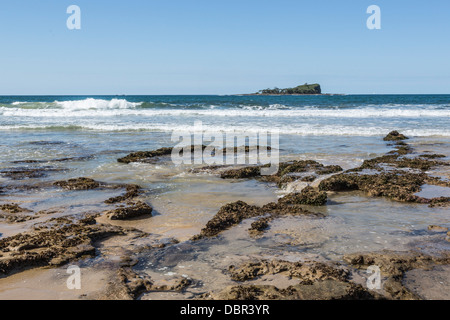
point(223, 47)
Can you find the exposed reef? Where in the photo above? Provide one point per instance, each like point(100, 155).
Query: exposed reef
point(130, 210)
point(234, 213)
point(127, 284)
point(20, 173)
point(13, 213)
point(288, 172)
point(397, 175)
point(315, 281)
point(394, 265)
point(395, 136)
point(308, 196)
point(141, 156)
point(150, 156)
point(131, 191)
point(78, 184)
point(53, 243)
point(67, 159)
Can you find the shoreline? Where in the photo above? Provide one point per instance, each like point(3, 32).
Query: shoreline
point(132, 238)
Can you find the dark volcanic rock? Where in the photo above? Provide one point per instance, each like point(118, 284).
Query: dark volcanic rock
point(234, 213)
point(20, 173)
point(127, 284)
point(228, 216)
point(316, 281)
point(395, 136)
point(395, 175)
point(398, 186)
point(12, 208)
point(394, 265)
point(243, 173)
point(305, 272)
point(260, 225)
point(13, 213)
point(143, 155)
point(319, 290)
point(78, 184)
point(287, 172)
point(308, 196)
point(132, 191)
point(131, 210)
point(81, 158)
point(54, 243)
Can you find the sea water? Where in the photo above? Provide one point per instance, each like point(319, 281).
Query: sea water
point(83, 136)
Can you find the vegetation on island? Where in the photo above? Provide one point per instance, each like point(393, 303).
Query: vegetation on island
point(302, 89)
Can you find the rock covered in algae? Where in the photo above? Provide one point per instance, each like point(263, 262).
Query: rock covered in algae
point(395, 136)
point(131, 210)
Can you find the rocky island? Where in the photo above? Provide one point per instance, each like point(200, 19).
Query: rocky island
point(302, 89)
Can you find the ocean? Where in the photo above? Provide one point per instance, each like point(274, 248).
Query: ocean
point(337, 115)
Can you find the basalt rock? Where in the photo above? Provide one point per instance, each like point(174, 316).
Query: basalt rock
point(67, 159)
point(393, 175)
point(234, 213)
point(127, 284)
point(301, 166)
point(433, 156)
point(54, 243)
point(131, 191)
point(395, 136)
point(78, 184)
point(131, 210)
point(305, 272)
point(12, 208)
point(439, 202)
point(396, 185)
point(287, 172)
point(243, 173)
point(394, 265)
point(308, 196)
point(316, 281)
point(13, 213)
point(320, 290)
point(228, 216)
point(259, 226)
point(143, 155)
point(20, 173)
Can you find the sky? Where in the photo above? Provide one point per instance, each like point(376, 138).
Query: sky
point(223, 47)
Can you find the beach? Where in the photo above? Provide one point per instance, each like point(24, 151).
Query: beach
point(363, 181)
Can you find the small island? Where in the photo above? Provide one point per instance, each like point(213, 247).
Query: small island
point(302, 89)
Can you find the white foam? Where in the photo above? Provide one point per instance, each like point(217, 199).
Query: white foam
point(91, 103)
point(115, 107)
